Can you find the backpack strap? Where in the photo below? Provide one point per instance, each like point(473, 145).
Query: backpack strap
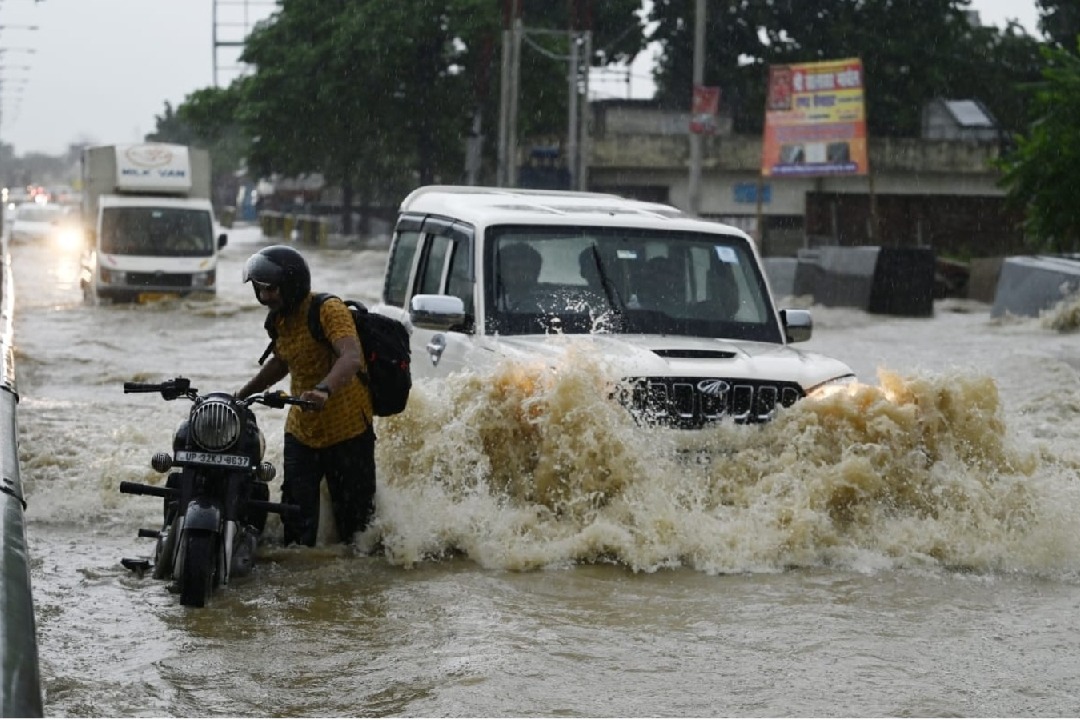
point(315, 323)
point(270, 325)
point(314, 319)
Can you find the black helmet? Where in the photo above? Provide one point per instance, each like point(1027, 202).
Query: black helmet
point(285, 269)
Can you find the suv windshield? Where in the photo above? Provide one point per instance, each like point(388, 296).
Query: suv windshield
point(159, 232)
point(625, 280)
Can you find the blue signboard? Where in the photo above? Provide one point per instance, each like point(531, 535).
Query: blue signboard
point(747, 193)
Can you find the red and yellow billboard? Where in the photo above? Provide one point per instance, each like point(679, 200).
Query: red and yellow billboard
point(815, 120)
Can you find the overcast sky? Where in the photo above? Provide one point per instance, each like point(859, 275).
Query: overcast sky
point(102, 70)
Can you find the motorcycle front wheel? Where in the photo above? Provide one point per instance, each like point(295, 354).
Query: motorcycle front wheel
point(200, 567)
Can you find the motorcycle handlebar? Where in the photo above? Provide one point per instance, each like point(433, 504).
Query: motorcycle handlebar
point(280, 400)
point(177, 387)
point(134, 387)
point(170, 389)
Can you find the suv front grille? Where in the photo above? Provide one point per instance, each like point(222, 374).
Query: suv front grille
point(694, 402)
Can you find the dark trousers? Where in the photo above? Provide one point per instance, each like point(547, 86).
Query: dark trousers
point(349, 469)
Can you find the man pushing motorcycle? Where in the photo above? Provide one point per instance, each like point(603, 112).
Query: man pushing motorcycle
point(336, 440)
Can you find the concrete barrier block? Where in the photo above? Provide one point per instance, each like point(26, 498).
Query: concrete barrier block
point(1028, 285)
point(903, 282)
point(889, 281)
point(837, 276)
point(983, 280)
point(781, 274)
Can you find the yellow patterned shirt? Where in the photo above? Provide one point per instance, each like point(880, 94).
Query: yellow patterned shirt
point(348, 412)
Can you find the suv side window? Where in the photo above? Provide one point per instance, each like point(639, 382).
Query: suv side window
point(460, 281)
point(446, 263)
point(401, 262)
point(431, 280)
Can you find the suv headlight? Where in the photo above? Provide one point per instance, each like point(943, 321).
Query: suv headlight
point(829, 387)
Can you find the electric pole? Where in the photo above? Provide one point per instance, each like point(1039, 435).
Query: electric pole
point(699, 80)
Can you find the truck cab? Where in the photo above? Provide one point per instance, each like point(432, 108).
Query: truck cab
point(150, 227)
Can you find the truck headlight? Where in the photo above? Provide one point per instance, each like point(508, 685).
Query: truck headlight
point(111, 277)
point(204, 279)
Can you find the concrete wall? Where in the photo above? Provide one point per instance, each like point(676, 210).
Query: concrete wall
point(938, 193)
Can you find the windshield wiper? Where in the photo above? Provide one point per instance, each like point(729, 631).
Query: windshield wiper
point(612, 293)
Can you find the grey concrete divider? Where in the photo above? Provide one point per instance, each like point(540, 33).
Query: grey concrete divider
point(837, 276)
point(903, 282)
point(20, 679)
point(882, 280)
point(982, 283)
point(1027, 285)
point(781, 274)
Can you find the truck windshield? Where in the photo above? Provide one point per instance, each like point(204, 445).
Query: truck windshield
point(625, 280)
point(157, 232)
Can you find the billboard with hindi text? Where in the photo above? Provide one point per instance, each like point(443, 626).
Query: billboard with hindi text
point(815, 120)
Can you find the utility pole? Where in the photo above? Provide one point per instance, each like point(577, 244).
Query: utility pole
point(583, 146)
point(504, 101)
point(230, 29)
point(515, 90)
point(572, 160)
point(699, 80)
point(509, 78)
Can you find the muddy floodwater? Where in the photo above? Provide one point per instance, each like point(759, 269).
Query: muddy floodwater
point(910, 547)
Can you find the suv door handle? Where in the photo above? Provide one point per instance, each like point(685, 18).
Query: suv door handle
point(435, 347)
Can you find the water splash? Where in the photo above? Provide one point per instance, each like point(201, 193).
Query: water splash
point(529, 467)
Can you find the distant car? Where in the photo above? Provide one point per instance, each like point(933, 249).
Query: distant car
point(35, 222)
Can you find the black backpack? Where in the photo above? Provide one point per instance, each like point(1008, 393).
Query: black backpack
point(385, 342)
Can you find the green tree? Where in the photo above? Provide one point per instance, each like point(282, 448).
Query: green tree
point(1059, 20)
point(1042, 175)
point(170, 128)
point(207, 118)
point(380, 95)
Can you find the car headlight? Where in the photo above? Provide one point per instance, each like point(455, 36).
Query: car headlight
point(829, 387)
point(215, 425)
point(69, 239)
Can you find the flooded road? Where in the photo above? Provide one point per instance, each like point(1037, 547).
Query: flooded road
point(906, 549)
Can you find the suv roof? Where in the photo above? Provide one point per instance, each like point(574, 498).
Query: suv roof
point(488, 205)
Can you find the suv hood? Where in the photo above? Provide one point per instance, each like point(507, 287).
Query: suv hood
point(677, 356)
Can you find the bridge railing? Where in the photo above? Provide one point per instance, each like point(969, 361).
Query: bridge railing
point(20, 679)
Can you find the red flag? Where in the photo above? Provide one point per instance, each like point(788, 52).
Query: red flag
point(703, 109)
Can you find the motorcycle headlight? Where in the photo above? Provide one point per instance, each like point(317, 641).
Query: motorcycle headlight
point(215, 425)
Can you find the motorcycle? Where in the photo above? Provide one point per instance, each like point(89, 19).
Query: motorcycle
point(216, 504)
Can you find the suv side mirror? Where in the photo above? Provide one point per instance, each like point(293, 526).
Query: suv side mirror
point(436, 312)
point(798, 324)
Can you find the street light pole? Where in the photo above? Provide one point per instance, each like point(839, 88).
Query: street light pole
point(694, 190)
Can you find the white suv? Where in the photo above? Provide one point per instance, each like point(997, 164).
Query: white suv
point(679, 307)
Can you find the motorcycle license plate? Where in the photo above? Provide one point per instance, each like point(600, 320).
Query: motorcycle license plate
point(191, 457)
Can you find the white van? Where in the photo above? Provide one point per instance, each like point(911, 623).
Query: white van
point(150, 226)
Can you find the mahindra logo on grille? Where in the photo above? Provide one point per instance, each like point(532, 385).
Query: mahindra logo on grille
point(713, 388)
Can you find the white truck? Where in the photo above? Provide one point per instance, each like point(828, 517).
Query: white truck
point(149, 224)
